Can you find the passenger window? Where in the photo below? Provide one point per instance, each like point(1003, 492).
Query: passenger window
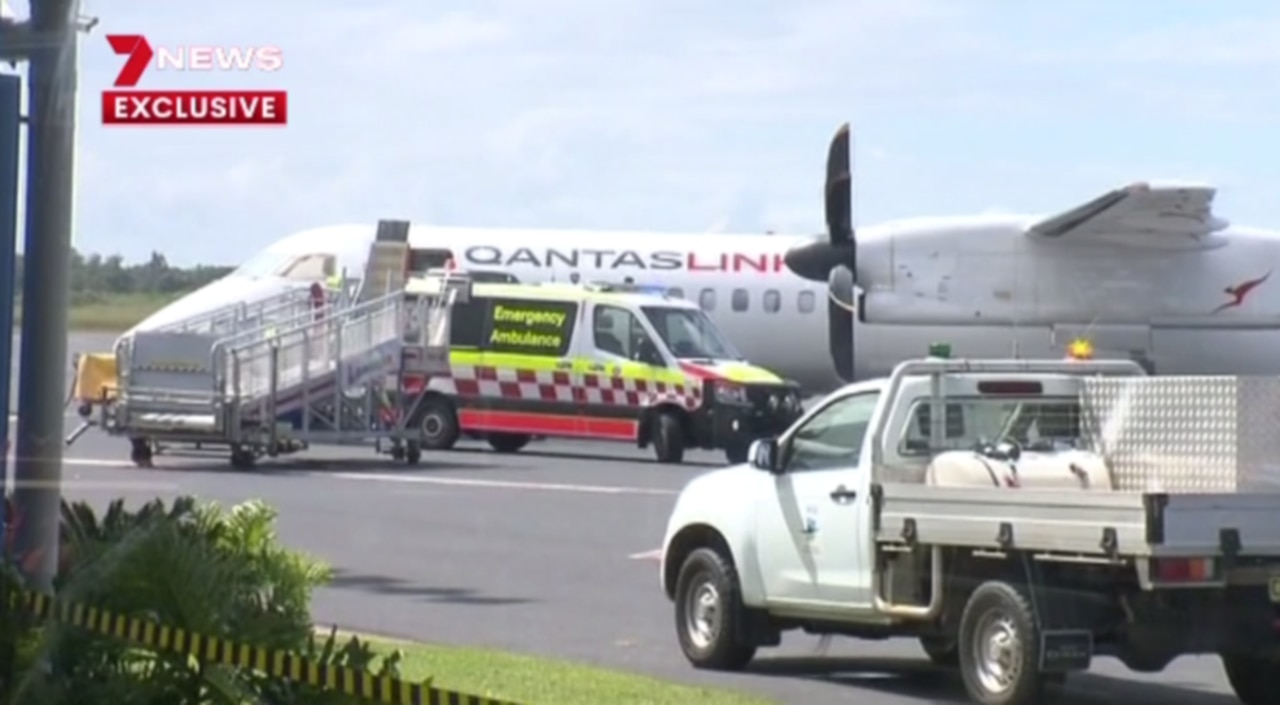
point(772, 301)
point(619, 332)
point(740, 300)
point(675, 292)
point(833, 437)
point(312, 268)
point(707, 300)
point(805, 302)
point(530, 327)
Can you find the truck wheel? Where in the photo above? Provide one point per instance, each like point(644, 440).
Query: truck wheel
point(508, 442)
point(999, 648)
point(1253, 678)
point(941, 651)
point(438, 424)
point(668, 438)
point(708, 609)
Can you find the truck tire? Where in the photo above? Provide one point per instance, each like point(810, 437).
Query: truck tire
point(508, 442)
point(1253, 678)
point(999, 648)
point(668, 438)
point(941, 651)
point(708, 613)
point(437, 423)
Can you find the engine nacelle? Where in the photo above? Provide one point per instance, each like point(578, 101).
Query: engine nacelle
point(1054, 470)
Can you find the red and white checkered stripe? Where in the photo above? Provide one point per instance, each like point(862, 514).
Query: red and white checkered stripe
point(559, 386)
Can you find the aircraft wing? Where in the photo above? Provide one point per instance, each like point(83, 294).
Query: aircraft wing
point(1136, 214)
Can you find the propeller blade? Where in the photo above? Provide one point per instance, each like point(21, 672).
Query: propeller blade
point(839, 188)
point(840, 322)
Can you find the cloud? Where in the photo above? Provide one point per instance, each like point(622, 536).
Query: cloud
point(658, 114)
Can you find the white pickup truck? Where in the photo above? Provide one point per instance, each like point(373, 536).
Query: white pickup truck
point(1017, 517)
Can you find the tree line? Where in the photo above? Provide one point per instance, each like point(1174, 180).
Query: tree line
point(96, 276)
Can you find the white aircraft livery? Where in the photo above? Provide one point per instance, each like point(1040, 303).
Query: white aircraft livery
point(1146, 270)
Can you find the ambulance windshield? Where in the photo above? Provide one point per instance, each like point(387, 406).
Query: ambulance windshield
point(689, 333)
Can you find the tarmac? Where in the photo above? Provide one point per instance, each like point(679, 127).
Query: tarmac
point(552, 552)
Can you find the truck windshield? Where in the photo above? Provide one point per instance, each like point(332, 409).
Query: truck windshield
point(689, 333)
point(1037, 423)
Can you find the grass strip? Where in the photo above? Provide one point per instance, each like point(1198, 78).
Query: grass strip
point(111, 312)
point(533, 680)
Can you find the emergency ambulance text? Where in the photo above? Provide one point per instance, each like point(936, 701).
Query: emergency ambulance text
point(526, 339)
point(529, 317)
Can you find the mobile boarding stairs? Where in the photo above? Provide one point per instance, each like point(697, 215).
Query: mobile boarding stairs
point(291, 372)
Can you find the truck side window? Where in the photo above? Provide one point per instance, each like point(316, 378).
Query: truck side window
point(619, 332)
point(833, 437)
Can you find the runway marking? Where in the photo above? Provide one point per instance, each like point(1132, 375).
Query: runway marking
point(654, 555)
point(93, 462)
point(502, 484)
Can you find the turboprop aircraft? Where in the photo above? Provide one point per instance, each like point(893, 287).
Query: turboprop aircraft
point(1144, 270)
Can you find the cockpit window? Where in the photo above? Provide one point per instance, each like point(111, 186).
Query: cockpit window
point(310, 268)
point(264, 264)
point(689, 333)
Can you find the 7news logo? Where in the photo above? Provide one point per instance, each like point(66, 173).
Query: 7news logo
point(191, 107)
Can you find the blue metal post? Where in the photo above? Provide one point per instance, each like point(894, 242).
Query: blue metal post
point(10, 129)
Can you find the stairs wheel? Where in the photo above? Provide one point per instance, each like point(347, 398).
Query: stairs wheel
point(412, 453)
point(141, 452)
point(242, 458)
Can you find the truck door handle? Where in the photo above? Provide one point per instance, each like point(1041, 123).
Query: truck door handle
point(595, 367)
point(842, 493)
point(564, 365)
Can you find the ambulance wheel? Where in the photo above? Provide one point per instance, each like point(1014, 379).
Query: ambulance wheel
point(508, 442)
point(141, 452)
point(668, 438)
point(437, 423)
point(412, 453)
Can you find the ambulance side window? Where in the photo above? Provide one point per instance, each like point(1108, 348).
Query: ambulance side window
point(618, 332)
point(468, 323)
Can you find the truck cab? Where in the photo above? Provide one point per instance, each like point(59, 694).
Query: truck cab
point(905, 506)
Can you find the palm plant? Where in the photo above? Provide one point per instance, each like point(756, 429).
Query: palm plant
point(200, 568)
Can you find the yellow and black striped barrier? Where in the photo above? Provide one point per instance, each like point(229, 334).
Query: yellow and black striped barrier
point(155, 636)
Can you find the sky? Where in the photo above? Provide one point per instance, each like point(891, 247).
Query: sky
point(672, 115)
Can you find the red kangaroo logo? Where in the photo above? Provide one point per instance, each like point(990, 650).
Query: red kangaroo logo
point(1240, 291)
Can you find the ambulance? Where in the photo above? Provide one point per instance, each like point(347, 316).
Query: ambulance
point(599, 361)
